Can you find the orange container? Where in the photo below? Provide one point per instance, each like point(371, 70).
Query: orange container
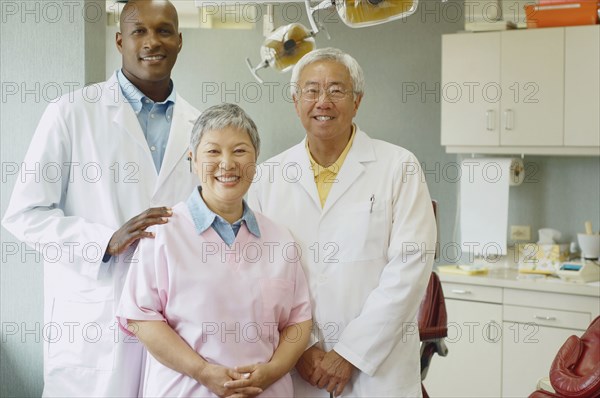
point(562, 14)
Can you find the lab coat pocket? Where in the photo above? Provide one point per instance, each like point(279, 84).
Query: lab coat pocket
point(277, 297)
point(82, 334)
point(364, 233)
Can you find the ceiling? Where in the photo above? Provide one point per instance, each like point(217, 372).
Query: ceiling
point(238, 16)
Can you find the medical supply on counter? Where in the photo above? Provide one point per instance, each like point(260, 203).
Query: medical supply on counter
point(545, 256)
point(589, 243)
point(580, 271)
point(463, 269)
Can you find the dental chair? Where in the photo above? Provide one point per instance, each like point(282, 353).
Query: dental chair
point(433, 321)
point(575, 371)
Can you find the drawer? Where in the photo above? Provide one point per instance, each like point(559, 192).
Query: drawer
point(463, 291)
point(552, 301)
point(546, 317)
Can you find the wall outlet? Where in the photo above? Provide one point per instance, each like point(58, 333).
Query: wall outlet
point(520, 233)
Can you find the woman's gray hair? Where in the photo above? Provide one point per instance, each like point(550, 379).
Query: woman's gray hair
point(330, 54)
point(219, 117)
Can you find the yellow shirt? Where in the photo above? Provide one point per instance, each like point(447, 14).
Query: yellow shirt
point(326, 176)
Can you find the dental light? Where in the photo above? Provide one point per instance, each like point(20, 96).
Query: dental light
point(283, 48)
point(286, 45)
point(362, 13)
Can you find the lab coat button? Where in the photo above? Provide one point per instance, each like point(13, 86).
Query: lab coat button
point(153, 148)
point(152, 116)
point(322, 278)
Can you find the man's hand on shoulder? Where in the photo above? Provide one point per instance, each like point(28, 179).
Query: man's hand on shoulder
point(135, 229)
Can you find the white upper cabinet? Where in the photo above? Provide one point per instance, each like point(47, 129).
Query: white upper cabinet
point(471, 82)
point(532, 91)
point(582, 86)
point(532, 78)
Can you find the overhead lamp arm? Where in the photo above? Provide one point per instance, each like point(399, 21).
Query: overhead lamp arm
point(254, 70)
point(310, 11)
point(268, 21)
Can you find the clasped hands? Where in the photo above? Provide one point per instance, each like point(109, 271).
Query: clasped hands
point(328, 370)
point(240, 382)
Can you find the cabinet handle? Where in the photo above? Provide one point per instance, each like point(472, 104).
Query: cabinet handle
point(460, 291)
point(489, 120)
point(545, 318)
point(508, 119)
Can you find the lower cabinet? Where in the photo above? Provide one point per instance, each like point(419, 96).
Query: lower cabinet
point(535, 326)
point(501, 341)
point(473, 365)
point(527, 353)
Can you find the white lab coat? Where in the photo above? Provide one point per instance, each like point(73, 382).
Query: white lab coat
point(92, 171)
point(367, 256)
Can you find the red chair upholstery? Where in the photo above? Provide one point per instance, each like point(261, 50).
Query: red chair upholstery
point(575, 371)
point(433, 325)
point(433, 319)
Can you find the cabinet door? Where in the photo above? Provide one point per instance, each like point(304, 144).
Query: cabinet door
point(582, 86)
point(532, 76)
point(473, 365)
point(527, 353)
point(470, 89)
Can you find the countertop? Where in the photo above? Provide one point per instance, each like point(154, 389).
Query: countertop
point(511, 278)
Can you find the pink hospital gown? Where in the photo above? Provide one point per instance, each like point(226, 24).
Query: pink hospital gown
point(228, 303)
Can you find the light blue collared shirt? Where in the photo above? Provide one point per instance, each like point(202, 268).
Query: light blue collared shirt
point(154, 117)
point(204, 218)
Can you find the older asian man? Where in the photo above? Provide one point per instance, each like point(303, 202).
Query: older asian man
point(361, 212)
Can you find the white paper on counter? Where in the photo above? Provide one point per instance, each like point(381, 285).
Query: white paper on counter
point(484, 189)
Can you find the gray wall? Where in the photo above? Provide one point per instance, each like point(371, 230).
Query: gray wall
point(560, 192)
point(46, 47)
